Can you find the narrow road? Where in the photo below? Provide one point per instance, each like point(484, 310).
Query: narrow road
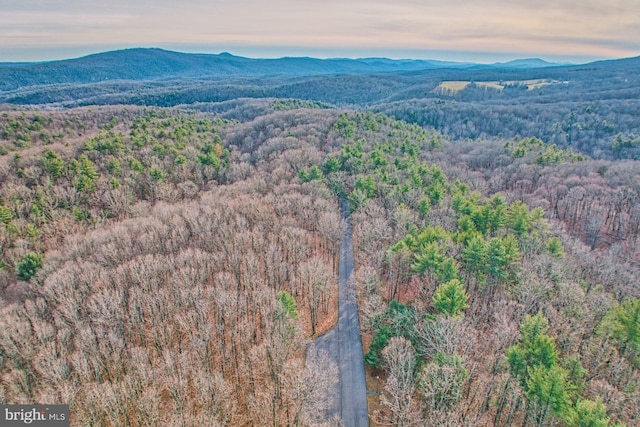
point(344, 344)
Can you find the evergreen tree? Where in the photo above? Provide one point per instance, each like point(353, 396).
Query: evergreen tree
point(447, 270)
point(534, 349)
point(288, 304)
point(496, 259)
point(86, 174)
point(428, 258)
point(552, 391)
point(554, 246)
point(518, 217)
point(31, 263)
point(591, 414)
point(450, 298)
point(622, 325)
point(475, 256)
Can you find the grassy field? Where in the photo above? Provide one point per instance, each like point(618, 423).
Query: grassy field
point(457, 86)
point(453, 86)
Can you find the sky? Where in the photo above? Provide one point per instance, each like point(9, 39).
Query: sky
point(461, 30)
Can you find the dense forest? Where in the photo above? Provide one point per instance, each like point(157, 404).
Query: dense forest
point(170, 246)
point(167, 266)
point(164, 269)
point(592, 108)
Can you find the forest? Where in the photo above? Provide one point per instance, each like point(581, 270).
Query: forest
point(591, 108)
point(168, 264)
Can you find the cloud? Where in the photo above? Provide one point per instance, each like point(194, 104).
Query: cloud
point(604, 28)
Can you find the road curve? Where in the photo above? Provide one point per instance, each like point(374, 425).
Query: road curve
point(344, 343)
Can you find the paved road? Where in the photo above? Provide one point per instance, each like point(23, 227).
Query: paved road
point(344, 343)
point(328, 343)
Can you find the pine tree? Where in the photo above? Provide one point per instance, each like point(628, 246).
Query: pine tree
point(428, 258)
point(496, 259)
point(622, 325)
point(591, 414)
point(31, 263)
point(554, 246)
point(289, 306)
point(552, 391)
point(475, 256)
point(450, 298)
point(535, 348)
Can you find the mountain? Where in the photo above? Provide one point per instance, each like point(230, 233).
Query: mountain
point(164, 78)
point(527, 63)
point(155, 64)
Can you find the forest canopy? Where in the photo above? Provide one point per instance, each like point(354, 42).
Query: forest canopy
point(169, 266)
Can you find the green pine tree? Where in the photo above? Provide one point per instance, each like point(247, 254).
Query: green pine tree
point(450, 298)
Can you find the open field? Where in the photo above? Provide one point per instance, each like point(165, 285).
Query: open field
point(453, 86)
point(457, 85)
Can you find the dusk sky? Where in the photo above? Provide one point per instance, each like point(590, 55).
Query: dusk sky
point(480, 31)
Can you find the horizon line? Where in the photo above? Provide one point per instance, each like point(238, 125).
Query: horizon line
point(455, 56)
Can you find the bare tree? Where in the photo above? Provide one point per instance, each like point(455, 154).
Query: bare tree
point(400, 362)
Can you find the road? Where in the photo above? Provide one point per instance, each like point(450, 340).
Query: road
point(344, 343)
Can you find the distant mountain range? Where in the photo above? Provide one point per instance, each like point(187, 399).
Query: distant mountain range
point(155, 64)
point(527, 63)
point(166, 78)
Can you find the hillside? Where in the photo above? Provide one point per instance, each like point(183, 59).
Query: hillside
point(591, 108)
point(166, 266)
point(152, 64)
point(157, 64)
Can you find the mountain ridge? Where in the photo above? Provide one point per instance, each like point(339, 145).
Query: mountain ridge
point(155, 64)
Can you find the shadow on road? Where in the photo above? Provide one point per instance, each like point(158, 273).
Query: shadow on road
point(344, 343)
